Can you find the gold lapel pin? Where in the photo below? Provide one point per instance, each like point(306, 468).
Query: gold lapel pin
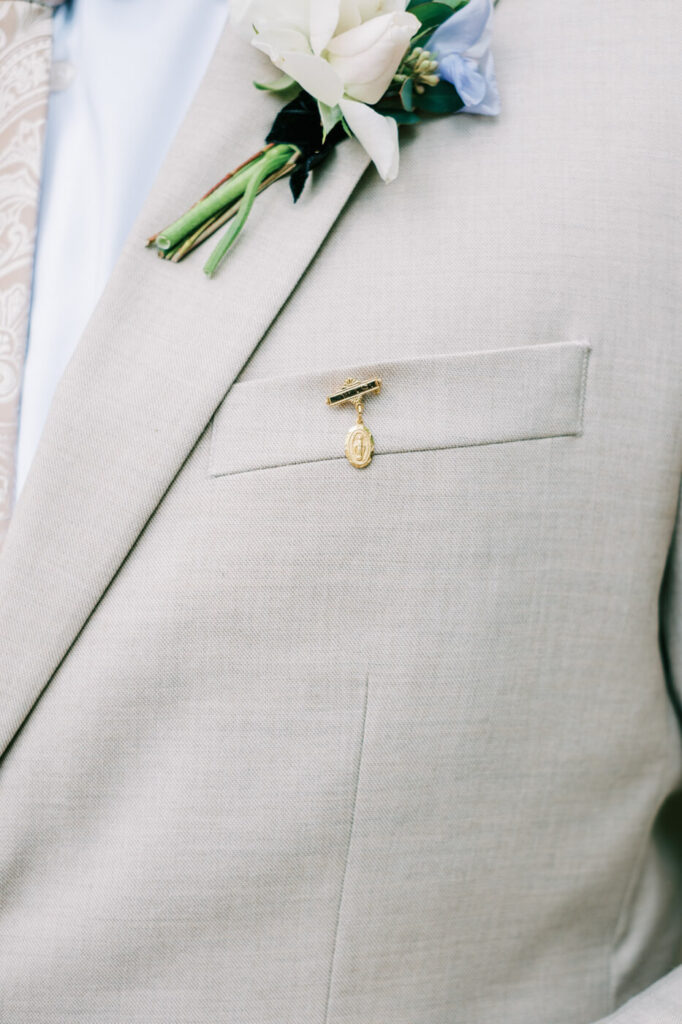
point(359, 447)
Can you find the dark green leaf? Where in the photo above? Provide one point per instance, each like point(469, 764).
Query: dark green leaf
point(452, 5)
point(439, 99)
point(280, 84)
point(285, 88)
point(406, 95)
point(329, 118)
point(432, 14)
point(404, 117)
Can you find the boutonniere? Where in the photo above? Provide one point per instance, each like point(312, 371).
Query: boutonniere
point(348, 68)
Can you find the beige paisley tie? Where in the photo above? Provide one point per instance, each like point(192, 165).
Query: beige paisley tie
point(25, 52)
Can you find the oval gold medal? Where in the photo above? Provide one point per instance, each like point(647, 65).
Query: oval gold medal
point(359, 446)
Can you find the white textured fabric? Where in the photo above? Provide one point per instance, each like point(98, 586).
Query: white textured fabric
point(25, 43)
point(661, 1004)
point(392, 746)
point(125, 78)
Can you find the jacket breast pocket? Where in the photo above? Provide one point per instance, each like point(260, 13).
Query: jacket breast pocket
point(426, 403)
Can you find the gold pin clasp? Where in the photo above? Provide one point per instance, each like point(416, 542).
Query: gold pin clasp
point(359, 446)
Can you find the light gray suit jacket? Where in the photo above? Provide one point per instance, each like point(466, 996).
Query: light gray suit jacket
point(291, 743)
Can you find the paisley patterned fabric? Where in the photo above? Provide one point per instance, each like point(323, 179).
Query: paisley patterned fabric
point(25, 51)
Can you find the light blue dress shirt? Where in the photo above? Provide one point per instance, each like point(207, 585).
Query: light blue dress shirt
point(125, 73)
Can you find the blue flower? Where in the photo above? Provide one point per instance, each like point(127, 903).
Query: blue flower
point(461, 45)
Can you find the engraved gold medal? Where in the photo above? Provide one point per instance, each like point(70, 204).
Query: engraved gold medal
point(359, 447)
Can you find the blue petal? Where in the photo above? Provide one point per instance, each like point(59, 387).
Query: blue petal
point(462, 30)
point(462, 47)
point(467, 80)
point(491, 103)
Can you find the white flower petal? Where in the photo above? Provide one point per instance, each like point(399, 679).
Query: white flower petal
point(269, 14)
point(275, 41)
point(324, 17)
point(314, 74)
point(369, 92)
point(361, 38)
point(349, 15)
point(331, 47)
point(378, 135)
point(354, 12)
point(370, 8)
point(367, 36)
point(367, 57)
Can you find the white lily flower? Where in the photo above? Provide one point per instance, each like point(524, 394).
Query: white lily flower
point(343, 52)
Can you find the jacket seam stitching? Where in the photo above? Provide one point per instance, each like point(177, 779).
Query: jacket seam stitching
point(216, 475)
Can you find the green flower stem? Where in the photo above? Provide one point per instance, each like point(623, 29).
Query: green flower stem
point(204, 210)
point(272, 161)
point(191, 241)
point(221, 198)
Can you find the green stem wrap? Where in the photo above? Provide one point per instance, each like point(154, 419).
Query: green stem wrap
point(225, 196)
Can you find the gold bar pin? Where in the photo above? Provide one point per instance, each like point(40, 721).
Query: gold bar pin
point(359, 447)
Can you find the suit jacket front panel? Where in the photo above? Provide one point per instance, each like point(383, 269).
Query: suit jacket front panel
point(390, 745)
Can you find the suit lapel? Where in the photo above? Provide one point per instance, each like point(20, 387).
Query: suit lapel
point(158, 356)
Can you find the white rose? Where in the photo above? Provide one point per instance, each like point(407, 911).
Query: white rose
point(343, 52)
point(367, 57)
